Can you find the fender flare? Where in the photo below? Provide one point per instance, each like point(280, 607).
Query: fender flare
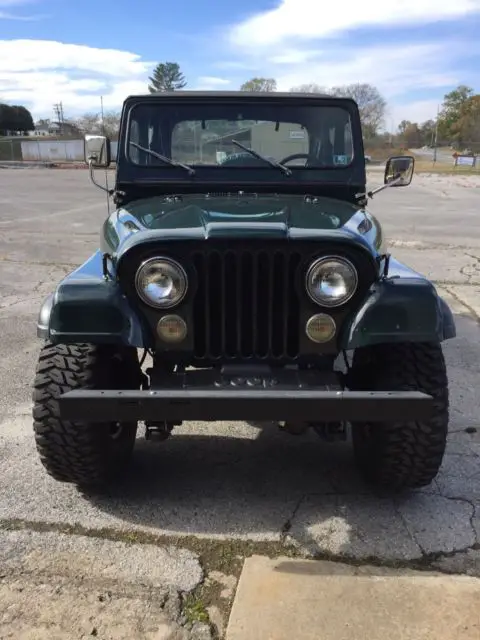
point(400, 310)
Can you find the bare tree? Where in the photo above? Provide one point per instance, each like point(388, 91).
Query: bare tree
point(311, 87)
point(92, 123)
point(89, 123)
point(111, 124)
point(370, 102)
point(259, 84)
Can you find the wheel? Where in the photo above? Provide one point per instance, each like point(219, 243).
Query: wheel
point(401, 455)
point(86, 454)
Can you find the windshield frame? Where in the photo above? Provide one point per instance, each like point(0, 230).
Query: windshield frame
point(129, 172)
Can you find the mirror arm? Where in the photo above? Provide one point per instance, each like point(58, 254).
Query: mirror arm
point(92, 178)
point(371, 193)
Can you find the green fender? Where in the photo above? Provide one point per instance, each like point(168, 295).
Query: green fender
point(400, 310)
point(86, 307)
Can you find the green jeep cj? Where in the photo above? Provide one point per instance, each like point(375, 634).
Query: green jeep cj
point(240, 262)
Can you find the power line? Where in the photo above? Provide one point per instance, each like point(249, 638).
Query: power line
point(58, 110)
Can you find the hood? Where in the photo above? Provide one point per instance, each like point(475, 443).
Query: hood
point(223, 216)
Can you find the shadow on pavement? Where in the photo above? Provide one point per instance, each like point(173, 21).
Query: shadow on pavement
point(207, 484)
point(275, 485)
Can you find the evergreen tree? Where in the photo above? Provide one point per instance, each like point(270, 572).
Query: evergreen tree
point(167, 77)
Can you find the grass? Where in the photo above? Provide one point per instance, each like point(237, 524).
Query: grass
point(195, 609)
point(427, 166)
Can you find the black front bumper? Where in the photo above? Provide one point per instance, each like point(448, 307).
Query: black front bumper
point(255, 404)
point(206, 397)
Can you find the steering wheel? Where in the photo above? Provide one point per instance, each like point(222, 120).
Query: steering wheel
point(294, 156)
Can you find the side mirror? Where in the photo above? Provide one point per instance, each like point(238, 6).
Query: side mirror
point(399, 171)
point(97, 151)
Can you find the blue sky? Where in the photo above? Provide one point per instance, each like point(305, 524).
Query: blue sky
point(414, 51)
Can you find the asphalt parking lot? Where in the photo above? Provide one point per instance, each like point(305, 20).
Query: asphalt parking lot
point(233, 481)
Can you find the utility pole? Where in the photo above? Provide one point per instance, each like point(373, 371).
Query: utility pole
point(58, 110)
point(102, 115)
point(435, 140)
point(106, 172)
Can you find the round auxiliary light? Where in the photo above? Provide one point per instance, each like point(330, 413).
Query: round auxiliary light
point(172, 329)
point(331, 281)
point(161, 282)
point(320, 328)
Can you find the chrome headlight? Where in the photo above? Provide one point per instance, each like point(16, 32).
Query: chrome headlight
point(161, 282)
point(331, 281)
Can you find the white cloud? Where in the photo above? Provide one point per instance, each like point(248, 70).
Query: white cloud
point(208, 83)
point(13, 4)
point(39, 73)
point(393, 70)
point(12, 16)
point(311, 19)
point(417, 111)
point(305, 41)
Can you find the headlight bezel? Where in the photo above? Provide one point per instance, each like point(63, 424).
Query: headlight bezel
point(172, 263)
point(331, 304)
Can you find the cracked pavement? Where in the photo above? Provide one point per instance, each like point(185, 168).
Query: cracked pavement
point(235, 481)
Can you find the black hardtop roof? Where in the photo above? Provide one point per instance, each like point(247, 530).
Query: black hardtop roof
point(241, 95)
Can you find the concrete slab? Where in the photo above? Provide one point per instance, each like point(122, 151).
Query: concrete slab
point(98, 559)
point(65, 587)
point(66, 610)
point(281, 599)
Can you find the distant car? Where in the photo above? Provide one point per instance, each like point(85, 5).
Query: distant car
point(244, 282)
point(368, 158)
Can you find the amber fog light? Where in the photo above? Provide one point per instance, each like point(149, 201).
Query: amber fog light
point(320, 328)
point(172, 329)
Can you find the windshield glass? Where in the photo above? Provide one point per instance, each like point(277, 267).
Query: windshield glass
point(218, 134)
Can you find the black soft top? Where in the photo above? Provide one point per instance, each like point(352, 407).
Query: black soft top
point(242, 95)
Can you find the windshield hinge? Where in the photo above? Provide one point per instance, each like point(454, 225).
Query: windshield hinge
point(386, 258)
point(106, 273)
point(118, 196)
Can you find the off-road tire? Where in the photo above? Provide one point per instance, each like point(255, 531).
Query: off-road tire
point(86, 454)
point(401, 455)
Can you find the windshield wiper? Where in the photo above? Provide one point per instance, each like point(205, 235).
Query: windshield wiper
point(272, 163)
point(169, 161)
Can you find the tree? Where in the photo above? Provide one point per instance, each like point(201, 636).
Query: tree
point(459, 118)
point(451, 111)
point(92, 123)
point(427, 132)
point(370, 102)
point(466, 129)
point(89, 123)
point(167, 77)
point(259, 84)
point(403, 126)
point(311, 87)
point(412, 137)
point(15, 118)
point(111, 123)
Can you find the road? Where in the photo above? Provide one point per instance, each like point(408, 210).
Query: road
point(228, 486)
point(442, 154)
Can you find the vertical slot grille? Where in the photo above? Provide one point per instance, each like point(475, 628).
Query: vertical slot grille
point(246, 305)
